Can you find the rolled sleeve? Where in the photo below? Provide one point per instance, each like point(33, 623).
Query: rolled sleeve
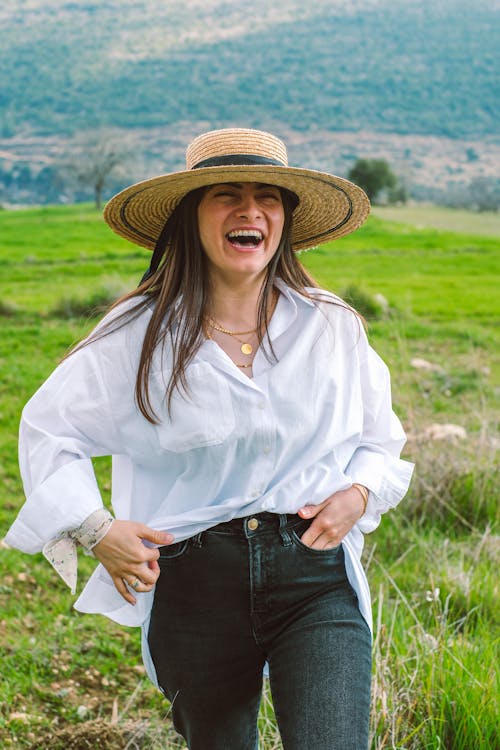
point(60, 503)
point(376, 463)
point(65, 424)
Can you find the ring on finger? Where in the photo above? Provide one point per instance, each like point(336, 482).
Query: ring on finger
point(135, 584)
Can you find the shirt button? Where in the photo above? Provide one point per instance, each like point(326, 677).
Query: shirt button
point(266, 450)
point(261, 406)
point(253, 524)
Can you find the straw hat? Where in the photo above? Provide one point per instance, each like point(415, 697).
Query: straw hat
point(329, 206)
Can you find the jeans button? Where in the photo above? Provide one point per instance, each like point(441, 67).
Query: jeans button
point(253, 524)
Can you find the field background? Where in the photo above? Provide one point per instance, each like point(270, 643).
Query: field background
point(73, 681)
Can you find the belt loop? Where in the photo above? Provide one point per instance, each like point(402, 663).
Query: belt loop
point(284, 533)
point(197, 542)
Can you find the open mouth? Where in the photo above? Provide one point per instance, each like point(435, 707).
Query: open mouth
point(246, 239)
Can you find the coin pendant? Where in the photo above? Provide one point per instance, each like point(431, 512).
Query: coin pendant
point(246, 348)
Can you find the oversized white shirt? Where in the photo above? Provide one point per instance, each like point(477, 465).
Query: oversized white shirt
point(306, 425)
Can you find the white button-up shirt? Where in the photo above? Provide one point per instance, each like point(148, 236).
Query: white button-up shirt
point(309, 423)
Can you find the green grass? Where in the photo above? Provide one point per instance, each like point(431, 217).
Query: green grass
point(438, 217)
point(432, 564)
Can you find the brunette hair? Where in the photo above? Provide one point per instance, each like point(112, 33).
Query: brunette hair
point(177, 284)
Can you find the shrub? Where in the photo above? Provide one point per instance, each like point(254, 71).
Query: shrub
point(371, 306)
point(94, 304)
point(7, 309)
point(451, 491)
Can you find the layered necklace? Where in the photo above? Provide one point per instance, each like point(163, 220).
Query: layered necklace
point(245, 346)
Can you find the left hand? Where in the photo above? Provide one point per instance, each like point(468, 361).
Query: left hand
point(333, 518)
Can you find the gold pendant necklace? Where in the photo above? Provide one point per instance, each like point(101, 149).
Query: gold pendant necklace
point(207, 334)
point(246, 347)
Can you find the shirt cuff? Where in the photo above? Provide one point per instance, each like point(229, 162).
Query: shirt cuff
point(61, 552)
point(387, 479)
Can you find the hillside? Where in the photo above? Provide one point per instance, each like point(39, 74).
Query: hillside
point(421, 67)
point(410, 69)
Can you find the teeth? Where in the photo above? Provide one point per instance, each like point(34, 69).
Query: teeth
point(246, 233)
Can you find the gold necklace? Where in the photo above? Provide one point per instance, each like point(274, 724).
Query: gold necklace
point(207, 334)
point(246, 347)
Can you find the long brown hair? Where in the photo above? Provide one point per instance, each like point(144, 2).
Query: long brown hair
point(179, 288)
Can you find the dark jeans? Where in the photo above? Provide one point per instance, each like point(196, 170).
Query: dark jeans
point(235, 597)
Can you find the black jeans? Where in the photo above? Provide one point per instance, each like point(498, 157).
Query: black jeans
point(246, 592)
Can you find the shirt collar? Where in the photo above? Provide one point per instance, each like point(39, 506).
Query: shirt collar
point(288, 308)
point(291, 294)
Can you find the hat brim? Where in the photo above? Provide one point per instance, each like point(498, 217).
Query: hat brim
point(330, 207)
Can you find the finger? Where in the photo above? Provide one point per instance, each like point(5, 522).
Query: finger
point(137, 585)
point(150, 554)
point(309, 511)
point(325, 542)
point(311, 534)
point(146, 575)
point(123, 590)
point(322, 541)
point(154, 536)
point(154, 566)
point(142, 573)
point(320, 534)
point(154, 553)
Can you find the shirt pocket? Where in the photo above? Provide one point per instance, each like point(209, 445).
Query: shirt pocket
point(200, 417)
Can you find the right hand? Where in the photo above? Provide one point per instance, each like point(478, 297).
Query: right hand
point(126, 558)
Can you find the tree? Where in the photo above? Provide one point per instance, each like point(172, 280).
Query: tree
point(397, 194)
point(485, 193)
point(93, 157)
point(374, 176)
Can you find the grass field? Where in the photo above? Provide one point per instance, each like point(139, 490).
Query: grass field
point(73, 681)
point(439, 217)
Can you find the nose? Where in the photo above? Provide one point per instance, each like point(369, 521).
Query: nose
point(248, 206)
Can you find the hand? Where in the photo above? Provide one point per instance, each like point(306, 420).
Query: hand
point(126, 558)
point(333, 518)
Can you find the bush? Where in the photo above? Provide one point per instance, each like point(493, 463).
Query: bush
point(93, 305)
point(370, 306)
point(451, 491)
point(7, 309)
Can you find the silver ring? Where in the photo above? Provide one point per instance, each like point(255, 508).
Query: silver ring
point(135, 584)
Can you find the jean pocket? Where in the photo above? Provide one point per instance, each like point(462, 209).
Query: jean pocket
point(172, 552)
point(296, 532)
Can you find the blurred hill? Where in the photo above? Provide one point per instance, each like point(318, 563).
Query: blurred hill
point(416, 82)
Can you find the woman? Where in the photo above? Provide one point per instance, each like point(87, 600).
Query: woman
point(253, 443)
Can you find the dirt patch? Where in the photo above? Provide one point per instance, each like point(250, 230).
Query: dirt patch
point(94, 735)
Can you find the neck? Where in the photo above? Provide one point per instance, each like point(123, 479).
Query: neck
point(235, 305)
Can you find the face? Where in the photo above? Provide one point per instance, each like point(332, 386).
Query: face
point(240, 227)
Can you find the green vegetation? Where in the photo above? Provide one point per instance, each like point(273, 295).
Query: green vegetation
point(438, 217)
point(71, 679)
point(420, 68)
point(375, 176)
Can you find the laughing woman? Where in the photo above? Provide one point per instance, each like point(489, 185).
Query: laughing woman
point(253, 445)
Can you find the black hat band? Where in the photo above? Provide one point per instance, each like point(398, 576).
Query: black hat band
point(236, 160)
